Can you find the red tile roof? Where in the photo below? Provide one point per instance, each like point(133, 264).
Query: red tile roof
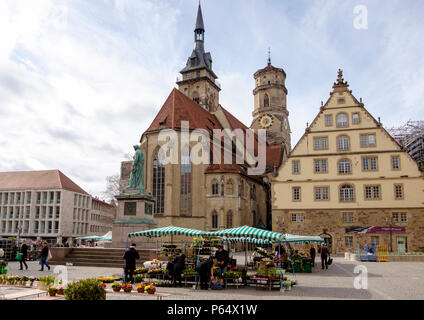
point(178, 107)
point(37, 180)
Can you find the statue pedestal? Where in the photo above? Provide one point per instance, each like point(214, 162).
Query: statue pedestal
point(135, 213)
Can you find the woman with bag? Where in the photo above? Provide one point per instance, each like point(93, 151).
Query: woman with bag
point(44, 256)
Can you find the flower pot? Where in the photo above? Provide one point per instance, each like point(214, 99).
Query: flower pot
point(140, 290)
point(52, 294)
point(116, 289)
point(151, 292)
point(127, 290)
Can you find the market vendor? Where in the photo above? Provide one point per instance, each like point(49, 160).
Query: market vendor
point(279, 253)
point(223, 259)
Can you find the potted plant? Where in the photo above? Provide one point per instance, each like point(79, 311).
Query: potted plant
point(52, 291)
point(116, 286)
point(151, 289)
point(24, 280)
point(3, 265)
point(31, 280)
point(127, 288)
point(89, 290)
point(103, 285)
point(140, 288)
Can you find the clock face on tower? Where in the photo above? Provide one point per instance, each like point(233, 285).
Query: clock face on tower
point(266, 121)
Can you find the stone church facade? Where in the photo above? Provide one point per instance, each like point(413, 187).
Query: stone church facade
point(218, 195)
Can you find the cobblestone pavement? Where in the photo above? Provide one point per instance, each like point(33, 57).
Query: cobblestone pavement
point(390, 280)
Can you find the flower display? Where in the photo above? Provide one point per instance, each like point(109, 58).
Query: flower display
point(127, 287)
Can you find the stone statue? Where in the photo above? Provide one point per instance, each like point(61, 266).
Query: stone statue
point(137, 171)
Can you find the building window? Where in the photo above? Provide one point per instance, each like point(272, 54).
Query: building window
point(343, 143)
point(296, 193)
point(159, 183)
point(403, 217)
point(395, 163)
point(198, 74)
point(186, 182)
point(342, 120)
point(242, 188)
point(345, 166)
point(398, 191)
point(214, 220)
point(322, 194)
point(296, 166)
point(348, 217)
point(347, 193)
point(341, 101)
point(266, 101)
point(372, 193)
point(369, 164)
point(215, 187)
point(297, 217)
point(229, 219)
point(321, 143)
point(349, 242)
point(355, 118)
point(367, 140)
point(320, 166)
point(229, 187)
point(328, 120)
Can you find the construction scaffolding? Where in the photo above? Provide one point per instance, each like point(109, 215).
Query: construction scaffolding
point(411, 137)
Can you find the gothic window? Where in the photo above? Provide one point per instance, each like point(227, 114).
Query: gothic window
point(253, 192)
point(159, 183)
point(229, 219)
point(241, 188)
point(266, 101)
point(214, 220)
point(186, 182)
point(229, 188)
point(215, 187)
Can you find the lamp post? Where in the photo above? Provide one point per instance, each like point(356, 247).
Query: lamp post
point(391, 222)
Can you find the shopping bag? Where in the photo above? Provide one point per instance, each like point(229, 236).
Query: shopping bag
point(330, 261)
point(19, 256)
point(49, 257)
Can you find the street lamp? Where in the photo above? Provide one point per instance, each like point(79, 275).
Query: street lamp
point(391, 222)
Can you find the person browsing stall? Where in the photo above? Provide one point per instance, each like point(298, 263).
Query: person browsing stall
point(223, 259)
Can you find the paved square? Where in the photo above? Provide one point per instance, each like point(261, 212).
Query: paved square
point(392, 280)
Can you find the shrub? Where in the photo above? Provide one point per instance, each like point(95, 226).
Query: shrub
point(90, 289)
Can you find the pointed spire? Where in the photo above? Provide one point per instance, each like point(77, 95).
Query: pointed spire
point(199, 20)
point(269, 56)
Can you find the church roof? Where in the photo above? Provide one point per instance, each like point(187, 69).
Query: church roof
point(37, 180)
point(178, 107)
point(269, 68)
point(199, 20)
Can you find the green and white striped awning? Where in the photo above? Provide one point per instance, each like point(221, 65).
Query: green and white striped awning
point(246, 240)
point(166, 231)
point(248, 232)
point(297, 238)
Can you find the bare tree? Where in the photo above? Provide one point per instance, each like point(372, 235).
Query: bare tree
point(113, 186)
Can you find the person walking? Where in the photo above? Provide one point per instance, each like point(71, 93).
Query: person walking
point(24, 251)
point(130, 256)
point(44, 256)
point(205, 270)
point(312, 252)
point(324, 256)
point(178, 267)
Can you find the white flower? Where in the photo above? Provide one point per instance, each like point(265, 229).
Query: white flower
point(1, 253)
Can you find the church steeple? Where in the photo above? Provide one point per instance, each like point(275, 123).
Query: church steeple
point(199, 81)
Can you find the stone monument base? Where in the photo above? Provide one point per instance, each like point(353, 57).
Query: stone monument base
point(135, 213)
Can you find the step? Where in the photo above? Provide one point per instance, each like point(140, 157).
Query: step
point(90, 264)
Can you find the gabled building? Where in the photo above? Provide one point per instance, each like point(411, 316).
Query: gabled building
point(349, 181)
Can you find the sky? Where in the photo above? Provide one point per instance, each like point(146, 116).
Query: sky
point(80, 80)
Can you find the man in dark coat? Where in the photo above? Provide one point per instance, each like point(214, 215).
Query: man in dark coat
point(178, 267)
point(44, 256)
point(205, 270)
point(313, 253)
point(24, 251)
point(324, 256)
point(130, 256)
point(223, 259)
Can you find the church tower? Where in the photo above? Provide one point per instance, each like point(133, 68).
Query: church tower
point(270, 105)
point(198, 80)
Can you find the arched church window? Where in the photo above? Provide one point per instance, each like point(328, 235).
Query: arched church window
point(159, 182)
point(229, 219)
point(266, 101)
point(214, 220)
point(185, 182)
point(215, 187)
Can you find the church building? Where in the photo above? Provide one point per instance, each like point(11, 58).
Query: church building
point(219, 195)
